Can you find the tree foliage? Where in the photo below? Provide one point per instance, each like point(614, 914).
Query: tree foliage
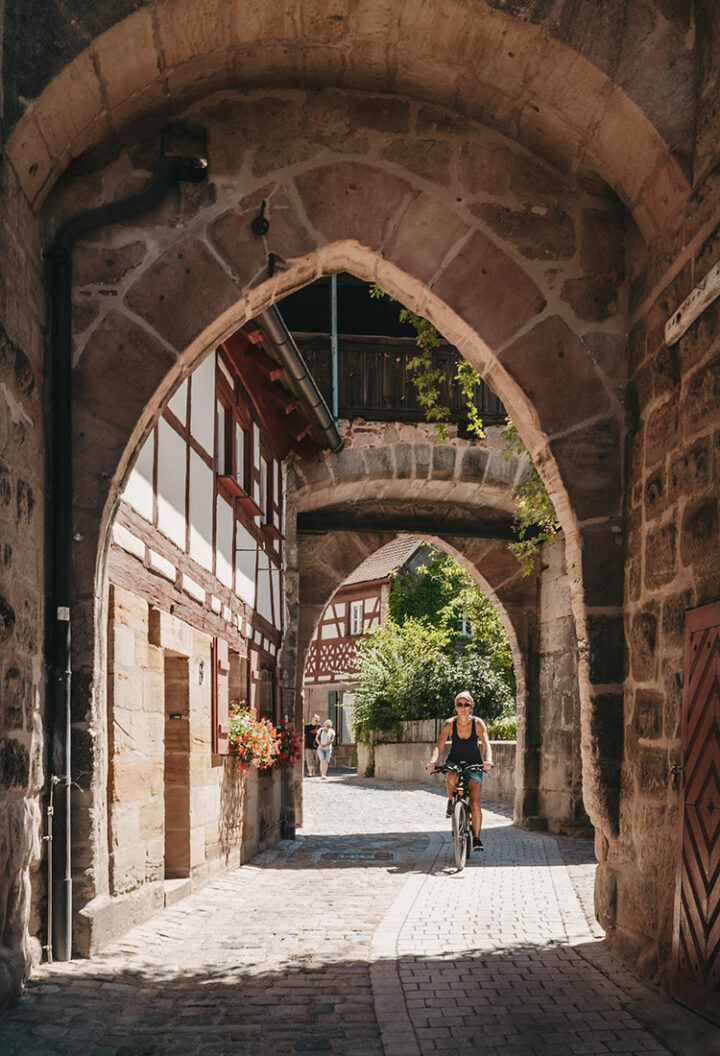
point(406, 671)
point(441, 593)
point(412, 666)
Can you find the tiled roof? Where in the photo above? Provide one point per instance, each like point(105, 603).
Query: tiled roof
point(385, 560)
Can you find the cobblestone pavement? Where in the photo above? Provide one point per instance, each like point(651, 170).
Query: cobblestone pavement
point(359, 939)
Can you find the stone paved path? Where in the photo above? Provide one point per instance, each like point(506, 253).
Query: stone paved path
point(357, 939)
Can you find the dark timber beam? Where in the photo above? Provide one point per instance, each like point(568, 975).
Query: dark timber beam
point(315, 523)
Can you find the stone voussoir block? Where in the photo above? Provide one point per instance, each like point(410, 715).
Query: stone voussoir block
point(543, 361)
point(488, 290)
point(184, 291)
point(444, 459)
point(341, 201)
point(428, 232)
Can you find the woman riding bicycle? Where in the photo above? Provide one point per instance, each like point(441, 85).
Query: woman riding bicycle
point(470, 744)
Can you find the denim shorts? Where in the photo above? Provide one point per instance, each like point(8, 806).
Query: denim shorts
point(324, 754)
point(472, 775)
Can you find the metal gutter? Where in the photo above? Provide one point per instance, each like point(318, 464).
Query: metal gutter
point(276, 332)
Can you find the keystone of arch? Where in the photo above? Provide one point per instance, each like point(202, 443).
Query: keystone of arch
point(529, 85)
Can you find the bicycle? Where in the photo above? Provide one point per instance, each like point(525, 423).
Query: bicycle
point(462, 833)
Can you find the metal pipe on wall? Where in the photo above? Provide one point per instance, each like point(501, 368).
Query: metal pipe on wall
point(334, 346)
point(170, 171)
point(273, 327)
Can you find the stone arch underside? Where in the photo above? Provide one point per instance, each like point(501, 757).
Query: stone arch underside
point(578, 96)
point(455, 486)
point(459, 486)
point(514, 263)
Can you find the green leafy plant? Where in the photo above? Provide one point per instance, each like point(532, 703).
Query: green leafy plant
point(442, 593)
point(504, 727)
point(427, 378)
point(410, 671)
point(535, 518)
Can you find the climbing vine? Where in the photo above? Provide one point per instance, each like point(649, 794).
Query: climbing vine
point(428, 378)
point(535, 520)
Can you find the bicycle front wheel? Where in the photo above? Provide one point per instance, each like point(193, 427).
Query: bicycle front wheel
point(459, 833)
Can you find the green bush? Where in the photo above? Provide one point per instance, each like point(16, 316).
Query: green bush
point(504, 727)
point(410, 671)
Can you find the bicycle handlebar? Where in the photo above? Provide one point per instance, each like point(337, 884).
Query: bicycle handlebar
point(460, 767)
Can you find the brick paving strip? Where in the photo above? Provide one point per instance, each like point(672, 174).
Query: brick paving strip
point(360, 939)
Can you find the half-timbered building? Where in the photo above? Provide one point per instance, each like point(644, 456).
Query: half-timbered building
point(195, 623)
point(357, 607)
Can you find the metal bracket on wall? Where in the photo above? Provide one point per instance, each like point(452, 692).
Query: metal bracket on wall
point(693, 306)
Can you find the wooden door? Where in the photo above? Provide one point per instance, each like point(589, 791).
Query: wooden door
point(696, 939)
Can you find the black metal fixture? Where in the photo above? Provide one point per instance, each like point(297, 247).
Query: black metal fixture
point(260, 224)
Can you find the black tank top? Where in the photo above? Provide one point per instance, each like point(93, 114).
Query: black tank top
point(465, 749)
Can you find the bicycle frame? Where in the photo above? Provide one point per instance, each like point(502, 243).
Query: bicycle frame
point(462, 833)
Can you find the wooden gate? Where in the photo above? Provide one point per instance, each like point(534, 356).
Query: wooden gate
point(696, 939)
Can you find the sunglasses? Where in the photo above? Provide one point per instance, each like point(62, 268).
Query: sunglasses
point(463, 705)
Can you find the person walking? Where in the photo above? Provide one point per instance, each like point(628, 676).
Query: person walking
point(469, 744)
point(311, 732)
point(324, 740)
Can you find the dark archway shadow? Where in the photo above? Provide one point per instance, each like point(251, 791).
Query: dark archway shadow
point(527, 999)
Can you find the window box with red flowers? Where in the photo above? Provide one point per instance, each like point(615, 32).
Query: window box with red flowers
point(253, 741)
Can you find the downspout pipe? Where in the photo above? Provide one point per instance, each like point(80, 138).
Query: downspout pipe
point(58, 255)
point(273, 327)
point(334, 346)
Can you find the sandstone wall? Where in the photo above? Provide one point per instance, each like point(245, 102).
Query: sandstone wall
point(22, 586)
point(560, 798)
point(672, 540)
point(406, 763)
point(177, 814)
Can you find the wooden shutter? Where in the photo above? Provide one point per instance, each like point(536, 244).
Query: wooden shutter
point(220, 697)
point(333, 711)
point(696, 938)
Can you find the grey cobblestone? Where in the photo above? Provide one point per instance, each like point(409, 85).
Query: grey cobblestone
point(327, 945)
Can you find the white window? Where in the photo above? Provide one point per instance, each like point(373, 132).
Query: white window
point(239, 455)
point(172, 460)
point(263, 500)
point(356, 617)
point(466, 627)
point(202, 398)
point(222, 415)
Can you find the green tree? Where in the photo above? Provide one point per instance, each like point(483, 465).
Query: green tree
point(406, 671)
point(412, 666)
point(441, 593)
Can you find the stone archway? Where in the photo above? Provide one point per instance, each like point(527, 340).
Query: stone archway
point(614, 108)
point(539, 76)
point(184, 280)
point(460, 486)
